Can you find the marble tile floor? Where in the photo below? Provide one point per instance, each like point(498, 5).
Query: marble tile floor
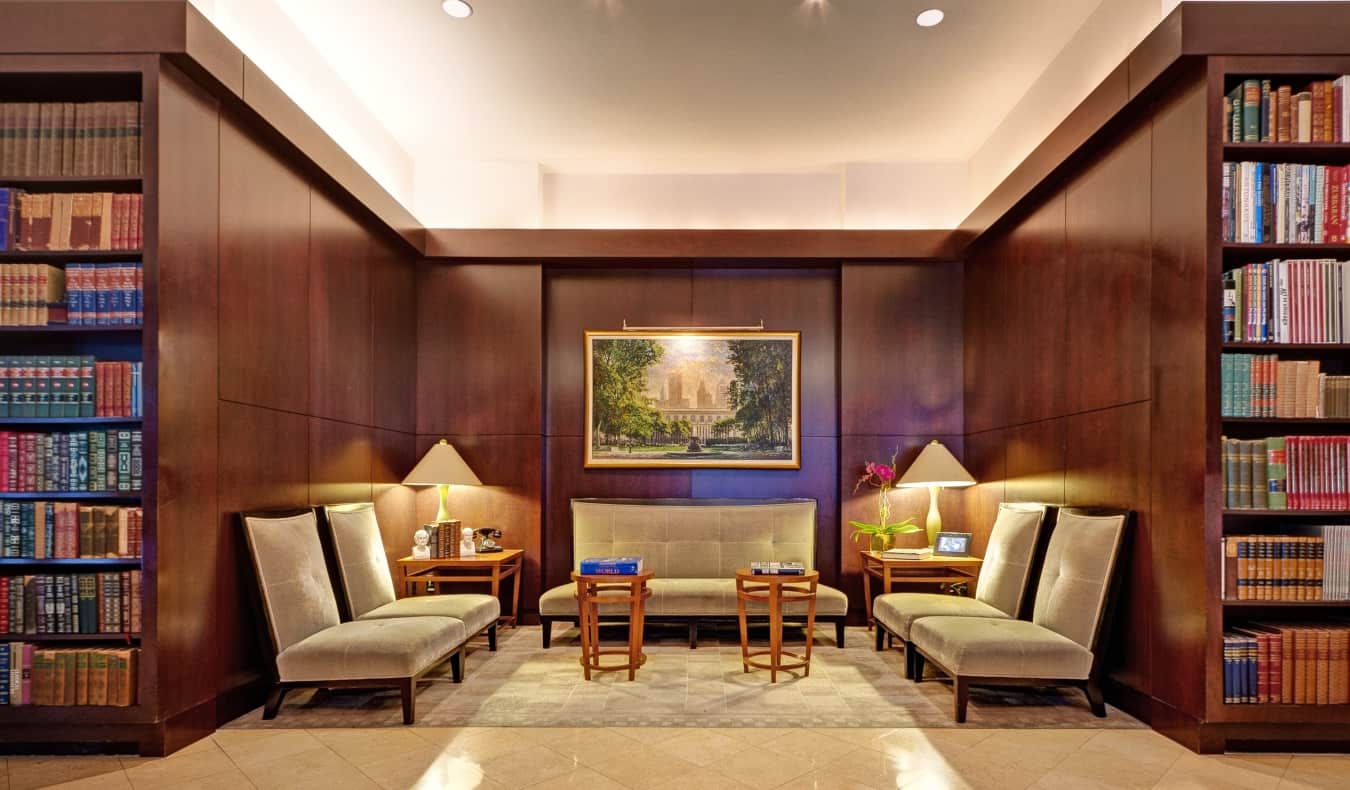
point(640, 758)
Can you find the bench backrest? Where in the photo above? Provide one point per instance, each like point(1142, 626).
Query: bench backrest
point(695, 538)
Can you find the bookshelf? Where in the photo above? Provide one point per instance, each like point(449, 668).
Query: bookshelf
point(82, 79)
point(1268, 720)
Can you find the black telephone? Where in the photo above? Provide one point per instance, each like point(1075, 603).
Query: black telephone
point(486, 538)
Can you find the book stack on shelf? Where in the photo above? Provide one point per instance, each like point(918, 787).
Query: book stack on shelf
point(1287, 301)
point(69, 386)
point(1311, 566)
point(48, 139)
point(1264, 111)
point(32, 675)
point(67, 530)
point(96, 461)
point(66, 221)
point(71, 603)
point(1284, 203)
point(1286, 473)
point(1263, 385)
point(1286, 664)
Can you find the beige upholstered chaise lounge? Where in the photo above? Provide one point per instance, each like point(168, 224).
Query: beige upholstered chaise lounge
point(312, 648)
point(368, 587)
point(694, 547)
point(1000, 590)
point(1063, 644)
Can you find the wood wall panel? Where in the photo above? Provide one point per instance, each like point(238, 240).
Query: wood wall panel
point(480, 362)
point(1034, 316)
point(1184, 315)
point(860, 504)
point(186, 393)
point(900, 350)
point(1107, 278)
point(511, 468)
point(578, 300)
point(264, 276)
point(339, 462)
point(264, 463)
point(393, 304)
point(1107, 464)
point(803, 300)
point(986, 459)
point(392, 456)
point(1035, 462)
point(340, 370)
point(986, 358)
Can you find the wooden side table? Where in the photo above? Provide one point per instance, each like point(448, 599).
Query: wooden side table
point(594, 589)
point(492, 568)
point(775, 591)
point(942, 571)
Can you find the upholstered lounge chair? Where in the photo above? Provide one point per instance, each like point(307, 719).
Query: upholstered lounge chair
point(312, 647)
point(999, 591)
point(368, 588)
point(1064, 642)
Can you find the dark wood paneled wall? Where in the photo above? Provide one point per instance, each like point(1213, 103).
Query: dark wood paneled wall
point(1069, 331)
point(288, 350)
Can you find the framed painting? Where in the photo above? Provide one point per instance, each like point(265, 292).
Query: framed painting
point(698, 399)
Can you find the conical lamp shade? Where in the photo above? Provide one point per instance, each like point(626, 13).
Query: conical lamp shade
point(440, 466)
point(935, 466)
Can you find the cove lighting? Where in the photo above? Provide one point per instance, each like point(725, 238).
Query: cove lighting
point(458, 9)
point(929, 18)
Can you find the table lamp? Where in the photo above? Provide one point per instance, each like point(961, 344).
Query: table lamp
point(935, 468)
point(442, 467)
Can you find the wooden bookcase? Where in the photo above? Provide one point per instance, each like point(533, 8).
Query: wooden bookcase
point(1267, 724)
point(81, 78)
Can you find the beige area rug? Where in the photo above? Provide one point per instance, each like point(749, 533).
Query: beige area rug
point(523, 685)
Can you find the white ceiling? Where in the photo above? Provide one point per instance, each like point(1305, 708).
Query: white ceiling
point(679, 86)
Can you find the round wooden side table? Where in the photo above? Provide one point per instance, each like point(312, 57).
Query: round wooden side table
point(609, 589)
point(775, 591)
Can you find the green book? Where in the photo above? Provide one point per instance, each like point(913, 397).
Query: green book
point(86, 374)
point(1235, 117)
point(1276, 498)
point(4, 386)
point(1259, 484)
point(42, 386)
point(1251, 111)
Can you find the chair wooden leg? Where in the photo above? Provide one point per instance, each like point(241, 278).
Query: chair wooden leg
point(881, 638)
point(407, 688)
point(546, 629)
point(274, 698)
point(492, 638)
point(457, 666)
point(1095, 701)
point(960, 697)
point(693, 634)
point(839, 632)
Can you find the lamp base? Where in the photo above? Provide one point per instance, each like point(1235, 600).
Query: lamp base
point(443, 514)
point(934, 523)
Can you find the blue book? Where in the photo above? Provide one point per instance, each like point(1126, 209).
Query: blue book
point(1258, 199)
point(4, 673)
point(611, 566)
point(138, 296)
point(4, 218)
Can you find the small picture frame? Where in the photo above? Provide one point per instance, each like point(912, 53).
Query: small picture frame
point(952, 544)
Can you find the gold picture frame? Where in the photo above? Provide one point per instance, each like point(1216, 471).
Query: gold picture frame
point(693, 399)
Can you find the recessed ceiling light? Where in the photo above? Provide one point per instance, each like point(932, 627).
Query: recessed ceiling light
point(928, 18)
point(462, 10)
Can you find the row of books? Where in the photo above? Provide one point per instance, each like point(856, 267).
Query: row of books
point(778, 569)
point(1286, 664)
point(69, 386)
point(70, 220)
point(66, 530)
point(34, 675)
point(1265, 203)
point(1307, 567)
point(610, 566)
point(1287, 473)
point(1263, 385)
point(71, 603)
point(1259, 111)
point(96, 461)
point(79, 294)
point(70, 138)
point(443, 538)
point(1287, 301)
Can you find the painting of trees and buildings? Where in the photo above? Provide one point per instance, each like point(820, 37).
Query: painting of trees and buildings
point(712, 399)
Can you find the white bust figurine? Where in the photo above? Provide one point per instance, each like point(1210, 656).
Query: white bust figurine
point(466, 542)
point(421, 551)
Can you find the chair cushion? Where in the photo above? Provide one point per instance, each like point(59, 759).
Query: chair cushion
point(1000, 648)
point(691, 598)
point(293, 576)
point(371, 649)
point(898, 611)
point(1071, 593)
point(1007, 558)
point(361, 560)
point(475, 611)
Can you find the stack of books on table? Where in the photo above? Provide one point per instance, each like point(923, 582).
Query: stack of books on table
point(611, 566)
point(922, 553)
point(777, 568)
